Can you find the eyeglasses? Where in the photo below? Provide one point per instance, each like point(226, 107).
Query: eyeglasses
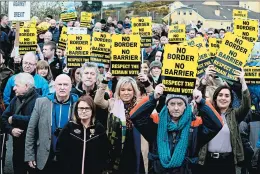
point(86, 109)
point(28, 63)
point(210, 33)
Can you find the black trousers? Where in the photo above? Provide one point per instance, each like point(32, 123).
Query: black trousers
point(19, 166)
point(51, 167)
point(222, 165)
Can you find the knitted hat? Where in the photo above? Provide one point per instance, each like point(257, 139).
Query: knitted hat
point(171, 96)
point(155, 64)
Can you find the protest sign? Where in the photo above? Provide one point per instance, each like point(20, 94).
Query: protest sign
point(179, 69)
point(85, 19)
point(78, 50)
point(63, 39)
point(247, 29)
point(204, 61)
point(27, 40)
point(214, 46)
point(143, 26)
point(70, 16)
point(231, 56)
point(198, 42)
point(125, 55)
point(19, 11)
point(77, 30)
point(242, 14)
point(177, 33)
point(101, 48)
point(252, 75)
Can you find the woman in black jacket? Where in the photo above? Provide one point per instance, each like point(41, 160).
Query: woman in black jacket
point(83, 143)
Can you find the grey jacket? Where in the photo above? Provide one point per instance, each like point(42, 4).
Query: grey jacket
point(39, 132)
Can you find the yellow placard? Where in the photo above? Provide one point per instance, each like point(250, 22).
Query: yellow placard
point(27, 36)
point(142, 26)
point(78, 45)
point(101, 42)
point(214, 46)
point(232, 55)
point(66, 17)
point(27, 40)
point(180, 61)
point(125, 55)
point(177, 33)
point(198, 42)
point(62, 44)
point(78, 50)
point(252, 75)
point(242, 14)
point(180, 65)
point(125, 48)
point(85, 19)
point(247, 29)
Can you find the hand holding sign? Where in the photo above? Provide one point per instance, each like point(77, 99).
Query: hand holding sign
point(158, 91)
point(197, 95)
point(142, 77)
point(210, 71)
point(240, 75)
point(108, 76)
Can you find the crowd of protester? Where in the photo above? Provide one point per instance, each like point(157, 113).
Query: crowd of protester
point(85, 120)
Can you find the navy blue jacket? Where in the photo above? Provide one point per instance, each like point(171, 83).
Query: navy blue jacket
point(202, 130)
point(55, 34)
point(20, 121)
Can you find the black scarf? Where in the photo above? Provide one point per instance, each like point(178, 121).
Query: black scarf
point(24, 99)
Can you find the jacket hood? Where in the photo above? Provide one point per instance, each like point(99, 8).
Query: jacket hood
point(52, 97)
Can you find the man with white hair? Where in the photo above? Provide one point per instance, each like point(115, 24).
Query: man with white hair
point(16, 117)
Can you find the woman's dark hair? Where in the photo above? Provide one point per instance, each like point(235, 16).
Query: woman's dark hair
point(72, 76)
point(215, 95)
point(92, 106)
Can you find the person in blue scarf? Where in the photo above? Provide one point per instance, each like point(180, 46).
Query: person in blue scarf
point(175, 135)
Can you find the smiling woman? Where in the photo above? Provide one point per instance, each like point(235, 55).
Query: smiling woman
point(125, 139)
point(225, 150)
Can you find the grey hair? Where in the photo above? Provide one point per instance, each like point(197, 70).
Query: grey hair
point(25, 79)
point(89, 65)
point(126, 80)
point(30, 53)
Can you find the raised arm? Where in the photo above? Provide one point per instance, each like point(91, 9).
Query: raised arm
point(245, 106)
point(143, 117)
point(99, 97)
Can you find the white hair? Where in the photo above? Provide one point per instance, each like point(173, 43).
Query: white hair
point(25, 79)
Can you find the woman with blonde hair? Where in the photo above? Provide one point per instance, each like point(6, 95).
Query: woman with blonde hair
point(125, 152)
point(83, 143)
point(44, 70)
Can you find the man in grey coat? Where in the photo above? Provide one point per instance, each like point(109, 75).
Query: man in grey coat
point(49, 116)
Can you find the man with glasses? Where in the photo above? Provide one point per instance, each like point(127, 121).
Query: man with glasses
point(50, 115)
point(29, 66)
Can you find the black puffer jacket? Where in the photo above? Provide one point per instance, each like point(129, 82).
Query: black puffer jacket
point(71, 145)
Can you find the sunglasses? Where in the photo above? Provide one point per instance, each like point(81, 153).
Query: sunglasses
point(210, 33)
